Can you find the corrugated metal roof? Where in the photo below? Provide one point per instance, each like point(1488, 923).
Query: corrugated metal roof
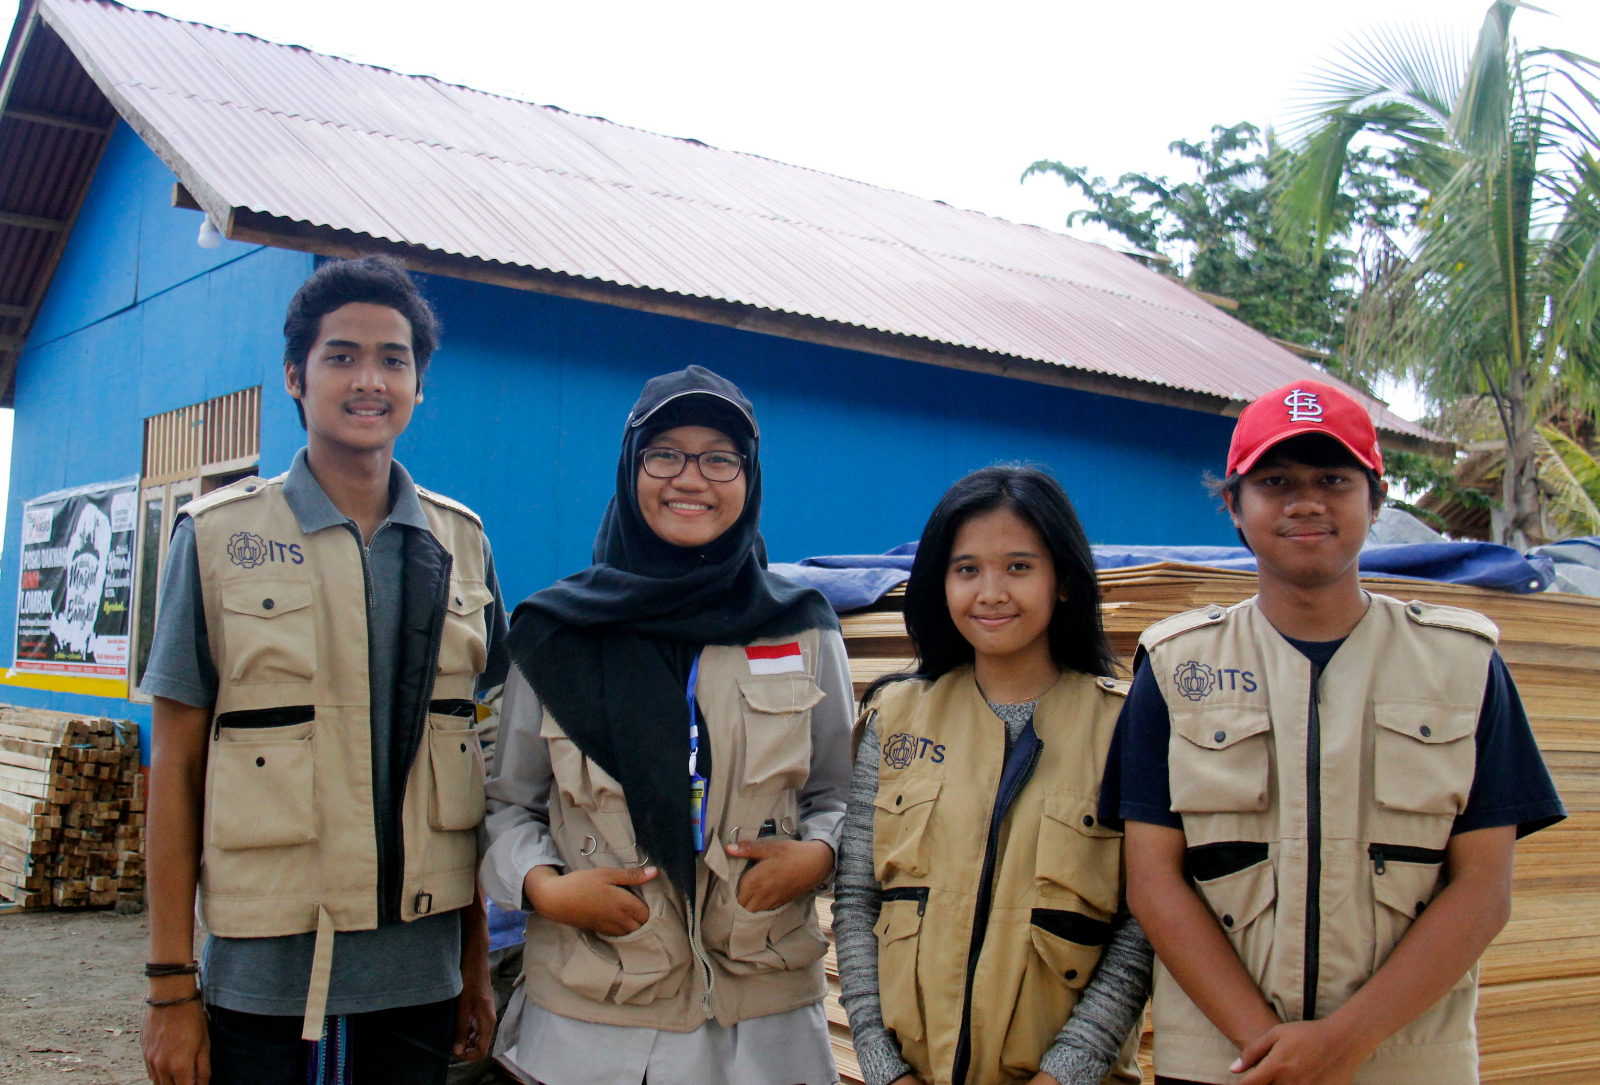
point(279, 131)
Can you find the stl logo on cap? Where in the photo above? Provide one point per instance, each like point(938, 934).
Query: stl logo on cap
point(1303, 406)
point(1313, 407)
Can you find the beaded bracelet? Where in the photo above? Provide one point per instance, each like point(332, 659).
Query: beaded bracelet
point(155, 969)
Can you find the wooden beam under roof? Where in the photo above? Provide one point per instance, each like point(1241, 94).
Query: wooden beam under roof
point(14, 312)
point(11, 342)
point(55, 120)
point(31, 222)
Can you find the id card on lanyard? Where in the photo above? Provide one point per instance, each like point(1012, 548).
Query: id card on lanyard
point(697, 783)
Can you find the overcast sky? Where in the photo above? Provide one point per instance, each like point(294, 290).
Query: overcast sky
point(950, 101)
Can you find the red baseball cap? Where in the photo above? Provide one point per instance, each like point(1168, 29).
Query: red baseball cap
point(1303, 407)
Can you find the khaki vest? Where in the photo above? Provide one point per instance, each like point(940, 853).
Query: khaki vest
point(1057, 874)
point(290, 837)
point(1316, 838)
point(719, 962)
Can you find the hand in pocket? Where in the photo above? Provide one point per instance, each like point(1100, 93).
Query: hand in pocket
point(780, 870)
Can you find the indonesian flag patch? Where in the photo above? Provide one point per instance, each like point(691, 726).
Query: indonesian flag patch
point(775, 658)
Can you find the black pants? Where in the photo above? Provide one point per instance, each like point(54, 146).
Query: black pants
point(409, 1045)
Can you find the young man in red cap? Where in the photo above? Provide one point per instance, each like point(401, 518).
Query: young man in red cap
point(1321, 788)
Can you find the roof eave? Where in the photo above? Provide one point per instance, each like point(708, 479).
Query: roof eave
point(256, 227)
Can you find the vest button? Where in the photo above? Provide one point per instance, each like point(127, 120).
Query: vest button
point(1227, 921)
point(267, 604)
point(1213, 614)
point(463, 747)
point(1220, 736)
point(1072, 973)
point(897, 799)
point(260, 761)
point(1426, 730)
point(1415, 608)
point(249, 489)
point(1088, 822)
point(458, 601)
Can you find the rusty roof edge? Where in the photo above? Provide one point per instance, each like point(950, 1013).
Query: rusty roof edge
point(259, 227)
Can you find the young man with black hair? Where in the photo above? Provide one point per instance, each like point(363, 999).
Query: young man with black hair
point(1322, 788)
point(316, 772)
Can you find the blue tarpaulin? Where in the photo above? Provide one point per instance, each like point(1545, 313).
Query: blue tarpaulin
point(852, 581)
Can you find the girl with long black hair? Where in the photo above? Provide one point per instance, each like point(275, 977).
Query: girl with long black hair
point(671, 779)
point(979, 915)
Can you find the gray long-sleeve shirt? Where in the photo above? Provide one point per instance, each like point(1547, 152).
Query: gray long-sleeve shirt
point(1084, 1049)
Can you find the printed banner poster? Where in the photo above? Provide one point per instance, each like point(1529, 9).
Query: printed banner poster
point(75, 599)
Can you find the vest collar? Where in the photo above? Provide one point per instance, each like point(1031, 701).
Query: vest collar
point(314, 510)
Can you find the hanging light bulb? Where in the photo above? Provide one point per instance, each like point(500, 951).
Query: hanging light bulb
point(210, 237)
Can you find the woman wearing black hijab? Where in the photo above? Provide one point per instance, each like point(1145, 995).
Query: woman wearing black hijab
point(671, 778)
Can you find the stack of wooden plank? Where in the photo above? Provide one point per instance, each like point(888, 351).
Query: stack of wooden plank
point(71, 809)
point(1541, 976)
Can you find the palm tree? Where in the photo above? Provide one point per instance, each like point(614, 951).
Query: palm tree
point(1497, 289)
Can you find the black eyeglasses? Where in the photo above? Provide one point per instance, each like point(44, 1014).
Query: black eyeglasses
point(715, 466)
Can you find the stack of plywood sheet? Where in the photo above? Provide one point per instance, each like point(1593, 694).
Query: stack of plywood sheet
point(71, 809)
point(1541, 977)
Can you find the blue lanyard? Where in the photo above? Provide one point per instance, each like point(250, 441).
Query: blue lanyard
point(697, 783)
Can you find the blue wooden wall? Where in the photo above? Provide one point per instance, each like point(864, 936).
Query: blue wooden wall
point(526, 400)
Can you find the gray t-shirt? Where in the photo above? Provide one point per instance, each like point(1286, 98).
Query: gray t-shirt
point(401, 964)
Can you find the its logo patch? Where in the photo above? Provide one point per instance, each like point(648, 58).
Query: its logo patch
point(902, 749)
point(247, 550)
point(1303, 406)
point(1196, 681)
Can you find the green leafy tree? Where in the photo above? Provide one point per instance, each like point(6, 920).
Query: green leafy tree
point(1496, 291)
point(1217, 232)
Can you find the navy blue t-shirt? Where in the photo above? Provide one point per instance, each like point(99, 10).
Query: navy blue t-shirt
point(1510, 785)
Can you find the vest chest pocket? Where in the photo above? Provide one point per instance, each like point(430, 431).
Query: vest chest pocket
point(899, 930)
point(776, 712)
point(1423, 756)
point(263, 792)
point(1077, 855)
point(457, 801)
point(899, 825)
point(1220, 761)
point(268, 631)
point(464, 647)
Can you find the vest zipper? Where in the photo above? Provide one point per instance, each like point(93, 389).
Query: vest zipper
point(380, 838)
point(918, 893)
point(1313, 945)
point(701, 958)
point(980, 921)
point(1383, 854)
point(419, 728)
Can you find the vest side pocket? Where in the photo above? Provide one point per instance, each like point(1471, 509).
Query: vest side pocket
point(457, 801)
point(1220, 760)
point(1404, 881)
point(1423, 756)
point(1239, 898)
point(776, 711)
point(1077, 855)
point(632, 969)
point(899, 929)
point(899, 825)
point(263, 789)
point(1069, 943)
point(268, 628)
point(779, 940)
point(464, 647)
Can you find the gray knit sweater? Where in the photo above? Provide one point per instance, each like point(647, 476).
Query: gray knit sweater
point(1111, 1006)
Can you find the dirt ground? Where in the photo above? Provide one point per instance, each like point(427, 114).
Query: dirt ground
point(71, 986)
